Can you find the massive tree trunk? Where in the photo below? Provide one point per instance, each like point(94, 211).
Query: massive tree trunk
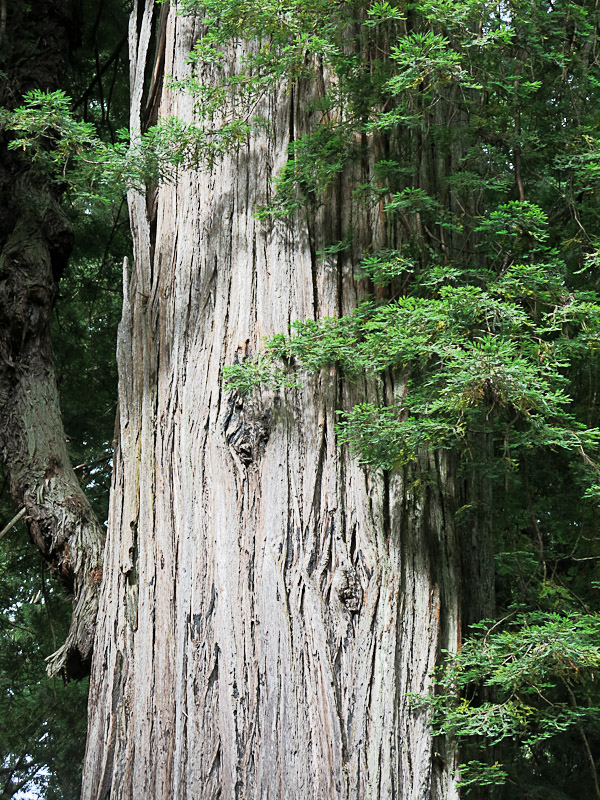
point(35, 243)
point(268, 604)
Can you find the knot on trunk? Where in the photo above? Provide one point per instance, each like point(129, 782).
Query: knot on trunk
point(347, 586)
point(246, 427)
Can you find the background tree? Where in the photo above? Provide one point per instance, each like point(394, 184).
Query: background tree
point(43, 720)
point(36, 242)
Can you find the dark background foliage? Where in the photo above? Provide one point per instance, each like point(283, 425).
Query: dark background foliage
point(43, 728)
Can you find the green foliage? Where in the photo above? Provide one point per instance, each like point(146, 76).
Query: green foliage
point(42, 737)
point(99, 172)
point(528, 683)
point(315, 161)
point(473, 361)
point(476, 774)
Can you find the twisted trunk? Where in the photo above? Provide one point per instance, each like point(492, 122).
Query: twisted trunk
point(268, 604)
point(35, 243)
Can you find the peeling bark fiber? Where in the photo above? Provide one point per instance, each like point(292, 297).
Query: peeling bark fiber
point(267, 604)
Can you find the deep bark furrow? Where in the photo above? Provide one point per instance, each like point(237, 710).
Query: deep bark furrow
point(288, 601)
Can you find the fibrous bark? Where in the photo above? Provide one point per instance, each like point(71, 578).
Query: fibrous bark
point(35, 243)
point(268, 604)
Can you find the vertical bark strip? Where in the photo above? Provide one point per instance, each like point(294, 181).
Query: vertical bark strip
point(35, 243)
point(268, 604)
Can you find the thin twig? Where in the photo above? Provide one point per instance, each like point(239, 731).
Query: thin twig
point(114, 57)
point(88, 465)
point(496, 624)
point(13, 521)
point(47, 606)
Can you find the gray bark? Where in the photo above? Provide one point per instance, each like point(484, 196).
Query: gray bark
point(268, 604)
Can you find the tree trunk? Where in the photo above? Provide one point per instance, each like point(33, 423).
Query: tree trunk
point(268, 604)
point(35, 243)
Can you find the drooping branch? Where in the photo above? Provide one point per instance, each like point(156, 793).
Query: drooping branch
point(13, 522)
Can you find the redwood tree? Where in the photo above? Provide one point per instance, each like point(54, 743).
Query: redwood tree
point(268, 603)
point(412, 190)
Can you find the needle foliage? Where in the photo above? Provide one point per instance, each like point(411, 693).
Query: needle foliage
point(470, 129)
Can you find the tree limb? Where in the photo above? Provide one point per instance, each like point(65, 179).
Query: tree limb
point(13, 522)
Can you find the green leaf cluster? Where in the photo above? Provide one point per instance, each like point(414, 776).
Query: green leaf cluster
point(528, 682)
point(492, 358)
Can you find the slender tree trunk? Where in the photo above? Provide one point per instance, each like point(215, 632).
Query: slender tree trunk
point(35, 243)
point(268, 605)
